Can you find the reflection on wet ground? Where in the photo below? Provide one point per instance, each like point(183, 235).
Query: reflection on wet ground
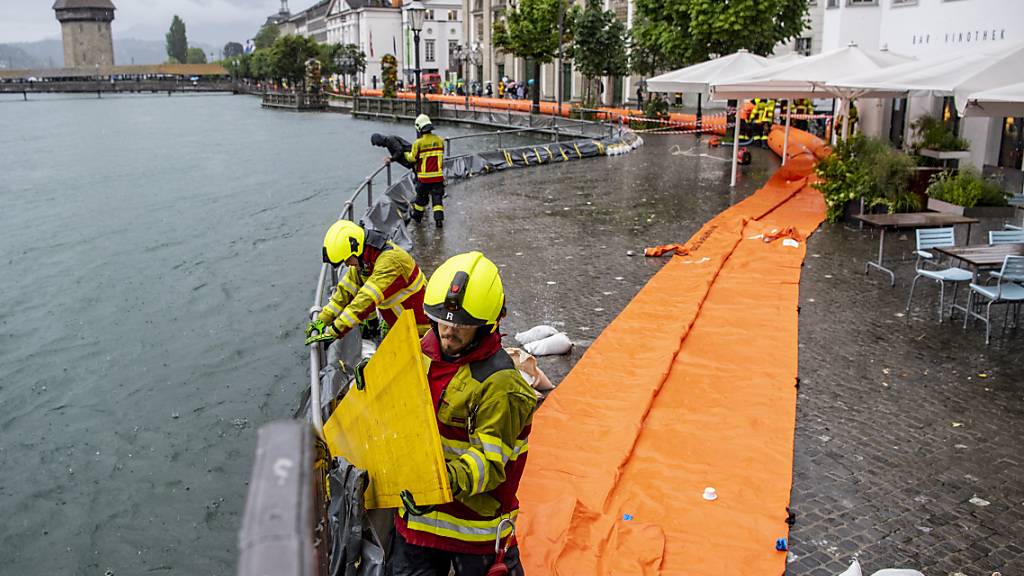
point(901, 421)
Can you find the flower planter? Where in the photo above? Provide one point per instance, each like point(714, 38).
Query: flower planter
point(945, 155)
point(973, 212)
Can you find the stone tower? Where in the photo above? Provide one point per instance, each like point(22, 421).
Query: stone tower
point(85, 25)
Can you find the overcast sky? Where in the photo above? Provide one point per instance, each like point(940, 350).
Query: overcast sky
point(210, 21)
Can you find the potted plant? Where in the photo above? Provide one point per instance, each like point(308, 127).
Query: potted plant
point(933, 139)
point(868, 169)
point(967, 193)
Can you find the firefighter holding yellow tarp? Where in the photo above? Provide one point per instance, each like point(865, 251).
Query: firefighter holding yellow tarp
point(484, 410)
point(381, 278)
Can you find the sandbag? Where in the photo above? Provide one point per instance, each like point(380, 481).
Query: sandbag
point(527, 366)
point(535, 333)
point(555, 344)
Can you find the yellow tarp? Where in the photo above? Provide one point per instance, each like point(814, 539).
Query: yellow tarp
point(389, 429)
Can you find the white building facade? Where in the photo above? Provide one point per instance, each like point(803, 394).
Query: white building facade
point(931, 29)
point(442, 33)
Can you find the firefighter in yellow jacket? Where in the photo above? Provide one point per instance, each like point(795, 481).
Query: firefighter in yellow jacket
point(381, 278)
point(428, 155)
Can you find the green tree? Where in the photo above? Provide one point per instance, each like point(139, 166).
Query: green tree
point(527, 32)
point(266, 36)
point(350, 61)
point(232, 49)
point(177, 40)
point(288, 57)
point(674, 33)
point(260, 65)
point(195, 56)
point(599, 45)
point(239, 66)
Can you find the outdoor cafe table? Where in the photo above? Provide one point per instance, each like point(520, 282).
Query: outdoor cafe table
point(979, 258)
point(908, 220)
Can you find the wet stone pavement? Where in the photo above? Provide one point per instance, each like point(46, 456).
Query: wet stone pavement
point(901, 421)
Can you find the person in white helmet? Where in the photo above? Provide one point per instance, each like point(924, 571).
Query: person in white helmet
point(427, 155)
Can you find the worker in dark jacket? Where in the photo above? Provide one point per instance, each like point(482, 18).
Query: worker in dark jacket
point(397, 147)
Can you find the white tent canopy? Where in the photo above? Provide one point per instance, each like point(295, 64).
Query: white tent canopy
point(698, 78)
point(959, 76)
point(808, 77)
point(997, 102)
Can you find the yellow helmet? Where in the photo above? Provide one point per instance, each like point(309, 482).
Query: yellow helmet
point(466, 290)
point(343, 239)
point(423, 124)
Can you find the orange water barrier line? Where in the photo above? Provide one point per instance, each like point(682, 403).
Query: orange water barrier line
point(692, 386)
point(711, 123)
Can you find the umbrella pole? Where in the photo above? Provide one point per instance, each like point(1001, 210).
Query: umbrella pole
point(832, 132)
point(785, 138)
point(846, 119)
point(735, 143)
point(699, 114)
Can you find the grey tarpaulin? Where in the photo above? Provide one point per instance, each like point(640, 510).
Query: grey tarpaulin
point(390, 213)
point(352, 554)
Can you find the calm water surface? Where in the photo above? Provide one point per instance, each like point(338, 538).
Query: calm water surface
point(157, 256)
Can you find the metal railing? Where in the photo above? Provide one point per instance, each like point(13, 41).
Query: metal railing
point(316, 352)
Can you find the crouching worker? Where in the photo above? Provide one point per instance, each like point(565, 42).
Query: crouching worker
point(381, 278)
point(484, 410)
point(397, 147)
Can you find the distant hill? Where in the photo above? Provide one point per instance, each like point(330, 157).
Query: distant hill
point(14, 57)
point(50, 53)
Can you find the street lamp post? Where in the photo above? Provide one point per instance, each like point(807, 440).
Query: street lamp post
point(416, 16)
point(467, 56)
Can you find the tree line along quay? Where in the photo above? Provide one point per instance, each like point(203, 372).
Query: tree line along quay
point(579, 38)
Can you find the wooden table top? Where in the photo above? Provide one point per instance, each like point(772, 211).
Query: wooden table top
point(914, 219)
point(983, 256)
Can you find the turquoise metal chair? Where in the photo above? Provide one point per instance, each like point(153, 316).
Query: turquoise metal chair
point(1005, 291)
point(928, 238)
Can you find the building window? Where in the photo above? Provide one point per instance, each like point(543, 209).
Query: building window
point(453, 46)
point(862, 2)
point(803, 46)
point(832, 4)
point(429, 14)
point(429, 50)
point(1011, 147)
point(453, 15)
point(896, 3)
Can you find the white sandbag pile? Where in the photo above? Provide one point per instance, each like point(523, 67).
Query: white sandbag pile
point(544, 341)
point(527, 366)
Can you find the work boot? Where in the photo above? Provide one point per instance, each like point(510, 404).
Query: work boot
point(439, 222)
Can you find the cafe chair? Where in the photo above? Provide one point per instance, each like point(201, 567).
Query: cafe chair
point(1006, 237)
point(928, 238)
point(1005, 291)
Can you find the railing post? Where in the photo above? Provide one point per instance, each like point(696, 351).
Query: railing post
point(369, 191)
point(389, 175)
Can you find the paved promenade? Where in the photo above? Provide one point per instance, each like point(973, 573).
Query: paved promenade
point(901, 421)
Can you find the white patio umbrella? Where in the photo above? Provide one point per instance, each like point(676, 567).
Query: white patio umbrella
point(997, 102)
point(957, 76)
point(808, 78)
point(699, 78)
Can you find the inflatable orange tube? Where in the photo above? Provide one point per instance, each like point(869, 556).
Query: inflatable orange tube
point(691, 387)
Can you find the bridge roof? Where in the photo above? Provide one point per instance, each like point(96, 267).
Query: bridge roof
point(108, 71)
point(69, 4)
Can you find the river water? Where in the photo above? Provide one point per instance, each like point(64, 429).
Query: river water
point(157, 256)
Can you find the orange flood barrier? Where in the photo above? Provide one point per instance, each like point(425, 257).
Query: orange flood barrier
point(692, 386)
point(711, 123)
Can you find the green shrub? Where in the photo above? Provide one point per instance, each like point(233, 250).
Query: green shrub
point(932, 133)
point(966, 188)
point(863, 167)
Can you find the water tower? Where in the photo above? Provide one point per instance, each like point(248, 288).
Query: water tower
point(85, 26)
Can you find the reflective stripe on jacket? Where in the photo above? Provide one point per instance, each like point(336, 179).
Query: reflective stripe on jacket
point(395, 285)
point(484, 415)
point(428, 154)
